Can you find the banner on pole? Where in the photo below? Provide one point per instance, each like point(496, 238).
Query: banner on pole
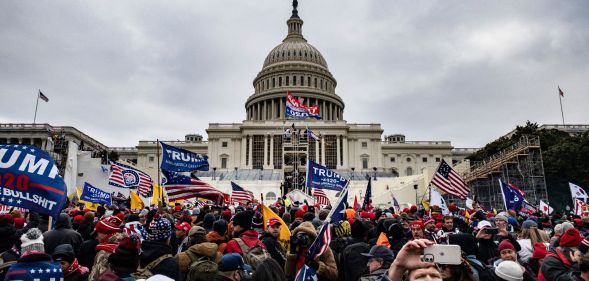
point(181, 160)
point(95, 195)
point(323, 178)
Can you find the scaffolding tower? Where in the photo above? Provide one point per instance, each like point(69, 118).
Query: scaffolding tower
point(520, 164)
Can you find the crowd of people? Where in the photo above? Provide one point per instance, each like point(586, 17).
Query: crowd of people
point(221, 243)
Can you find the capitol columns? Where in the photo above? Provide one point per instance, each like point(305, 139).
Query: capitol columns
point(243, 150)
point(345, 166)
point(323, 152)
point(265, 152)
point(272, 147)
point(338, 149)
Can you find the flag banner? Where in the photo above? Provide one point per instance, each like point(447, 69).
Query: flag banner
point(306, 273)
point(395, 203)
point(579, 204)
point(296, 109)
point(95, 195)
point(158, 192)
point(511, 197)
point(469, 203)
point(239, 194)
point(179, 186)
point(337, 213)
point(321, 197)
point(447, 180)
point(181, 160)
point(136, 202)
point(4, 209)
point(545, 208)
point(436, 199)
point(577, 191)
point(30, 180)
point(125, 176)
point(323, 178)
point(367, 204)
point(321, 243)
point(560, 92)
point(43, 97)
point(356, 205)
point(284, 236)
point(312, 135)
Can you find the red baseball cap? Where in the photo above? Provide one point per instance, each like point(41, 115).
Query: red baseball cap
point(273, 222)
point(183, 226)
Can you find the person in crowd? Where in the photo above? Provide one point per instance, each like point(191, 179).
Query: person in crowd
point(124, 261)
point(9, 237)
point(583, 273)
point(302, 237)
point(34, 263)
point(219, 235)
point(133, 226)
point(268, 270)
point(196, 235)
point(86, 227)
point(72, 270)
point(509, 271)
point(201, 250)
point(379, 261)
point(108, 233)
point(448, 224)
point(408, 262)
point(182, 230)
point(156, 252)
point(528, 237)
point(62, 234)
point(270, 240)
point(244, 237)
point(233, 268)
point(417, 229)
point(559, 260)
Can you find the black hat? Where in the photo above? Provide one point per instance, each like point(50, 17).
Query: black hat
point(63, 252)
point(308, 216)
point(379, 251)
point(243, 219)
point(220, 226)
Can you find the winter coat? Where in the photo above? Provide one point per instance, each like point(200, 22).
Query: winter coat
point(8, 234)
point(218, 239)
point(151, 250)
point(556, 267)
point(85, 229)
point(249, 237)
point(527, 249)
point(24, 269)
point(100, 264)
point(374, 275)
point(487, 250)
point(206, 249)
point(62, 234)
point(327, 267)
point(87, 253)
point(274, 248)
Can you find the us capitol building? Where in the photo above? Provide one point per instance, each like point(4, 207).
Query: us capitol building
point(258, 155)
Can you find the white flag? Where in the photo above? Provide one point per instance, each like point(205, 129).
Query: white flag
point(545, 208)
point(436, 199)
point(577, 192)
point(469, 203)
point(579, 207)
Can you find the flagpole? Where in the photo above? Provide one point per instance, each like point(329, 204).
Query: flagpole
point(158, 171)
point(37, 105)
point(560, 100)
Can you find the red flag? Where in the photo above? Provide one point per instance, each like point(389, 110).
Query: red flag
point(356, 205)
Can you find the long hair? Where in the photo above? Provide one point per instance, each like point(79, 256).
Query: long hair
point(534, 234)
point(269, 270)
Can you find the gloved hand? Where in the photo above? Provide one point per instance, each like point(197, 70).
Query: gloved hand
point(312, 264)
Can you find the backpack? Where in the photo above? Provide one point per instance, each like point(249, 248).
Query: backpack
point(144, 273)
point(354, 264)
point(481, 271)
point(200, 268)
point(254, 255)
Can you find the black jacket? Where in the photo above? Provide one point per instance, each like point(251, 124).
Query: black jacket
point(553, 268)
point(85, 229)
point(155, 249)
point(274, 248)
point(87, 253)
point(62, 234)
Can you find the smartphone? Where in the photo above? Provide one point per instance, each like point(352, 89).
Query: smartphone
point(442, 254)
point(491, 230)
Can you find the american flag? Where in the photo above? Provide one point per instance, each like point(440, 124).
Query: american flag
point(43, 97)
point(239, 194)
point(321, 243)
point(127, 177)
point(367, 204)
point(312, 135)
point(306, 274)
point(179, 186)
point(320, 197)
point(449, 181)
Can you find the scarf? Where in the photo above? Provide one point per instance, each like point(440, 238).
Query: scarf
point(75, 266)
point(106, 247)
point(301, 259)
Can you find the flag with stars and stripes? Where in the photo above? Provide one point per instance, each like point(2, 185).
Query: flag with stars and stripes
point(239, 194)
point(306, 273)
point(33, 271)
point(321, 243)
point(320, 197)
point(447, 180)
point(128, 177)
point(179, 186)
point(337, 214)
point(367, 204)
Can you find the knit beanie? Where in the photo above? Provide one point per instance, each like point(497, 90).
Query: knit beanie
point(308, 216)
point(529, 223)
point(32, 242)
point(343, 229)
point(506, 244)
point(109, 225)
point(584, 246)
point(160, 229)
point(125, 259)
point(540, 250)
point(509, 271)
point(418, 223)
point(571, 238)
point(323, 214)
point(300, 213)
point(257, 221)
point(501, 217)
point(220, 226)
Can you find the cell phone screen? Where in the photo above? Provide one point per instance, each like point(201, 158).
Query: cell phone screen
point(491, 230)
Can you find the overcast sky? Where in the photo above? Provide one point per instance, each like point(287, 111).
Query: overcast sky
point(463, 71)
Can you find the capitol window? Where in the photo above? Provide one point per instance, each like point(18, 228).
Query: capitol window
point(223, 163)
point(437, 159)
point(408, 159)
point(424, 159)
point(224, 144)
point(151, 158)
point(279, 81)
point(364, 163)
point(392, 159)
point(287, 80)
point(409, 171)
point(364, 144)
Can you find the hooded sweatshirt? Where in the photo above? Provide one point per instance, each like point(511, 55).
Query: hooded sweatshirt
point(206, 249)
point(62, 234)
point(327, 267)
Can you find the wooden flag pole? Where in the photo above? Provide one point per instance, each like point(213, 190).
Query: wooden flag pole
point(159, 188)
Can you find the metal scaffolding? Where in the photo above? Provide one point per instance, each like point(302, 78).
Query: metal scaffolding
point(520, 164)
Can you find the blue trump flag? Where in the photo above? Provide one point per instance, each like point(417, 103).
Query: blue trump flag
point(181, 160)
point(337, 214)
point(95, 195)
point(29, 179)
point(323, 178)
point(512, 198)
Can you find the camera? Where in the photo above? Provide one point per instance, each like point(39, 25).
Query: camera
point(301, 239)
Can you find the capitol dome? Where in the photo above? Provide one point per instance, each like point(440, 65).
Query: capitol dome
point(298, 67)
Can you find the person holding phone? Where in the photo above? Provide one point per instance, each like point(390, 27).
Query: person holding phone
point(408, 261)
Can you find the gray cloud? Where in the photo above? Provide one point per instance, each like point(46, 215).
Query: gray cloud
point(447, 70)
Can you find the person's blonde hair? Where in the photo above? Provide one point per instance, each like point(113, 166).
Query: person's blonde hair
point(534, 234)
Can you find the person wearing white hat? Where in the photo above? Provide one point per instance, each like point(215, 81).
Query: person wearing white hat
point(509, 271)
